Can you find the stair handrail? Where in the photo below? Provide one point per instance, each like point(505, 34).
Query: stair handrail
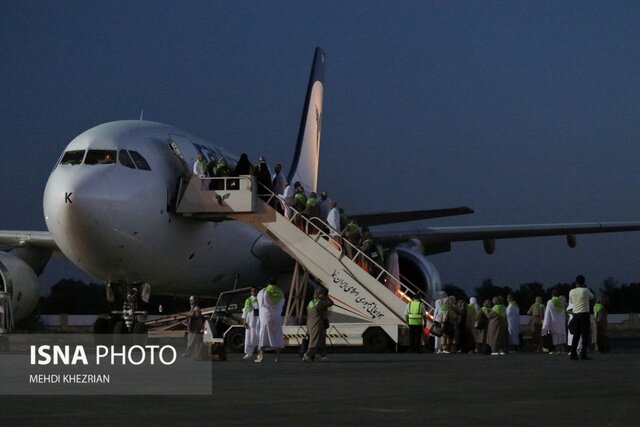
point(406, 292)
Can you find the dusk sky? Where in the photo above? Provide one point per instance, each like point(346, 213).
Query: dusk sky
point(527, 112)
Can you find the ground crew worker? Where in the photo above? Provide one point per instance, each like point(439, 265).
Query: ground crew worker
point(415, 315)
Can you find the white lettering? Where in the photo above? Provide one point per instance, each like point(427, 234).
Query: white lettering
point(122, 355)
point(137, 354)
point(152, 352)
point(142, 355)
point(46, 354)
point(42, 352)
point(101, 351)
point(172, 350)
point(44, 378)
point(86, 378)
point(59, 354)
point(79, 355)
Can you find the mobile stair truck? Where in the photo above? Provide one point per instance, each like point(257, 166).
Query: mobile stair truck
point(369, 310)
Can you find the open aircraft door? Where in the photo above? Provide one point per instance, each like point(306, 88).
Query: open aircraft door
point(178, 145)
point(181, 147)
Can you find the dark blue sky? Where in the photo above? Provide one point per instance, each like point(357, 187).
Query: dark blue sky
point(527, 112)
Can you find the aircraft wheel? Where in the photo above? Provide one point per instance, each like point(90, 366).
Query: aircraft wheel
point(234, 340)
point(121, 335)
point(375, 340)
point(140, 336)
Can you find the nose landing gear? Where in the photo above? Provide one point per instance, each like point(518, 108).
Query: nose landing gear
point(122, 327)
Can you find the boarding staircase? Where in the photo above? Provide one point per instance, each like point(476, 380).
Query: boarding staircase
point(318, 250)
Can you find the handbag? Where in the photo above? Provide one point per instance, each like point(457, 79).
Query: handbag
point(436, 329)
point(547, 341)
point(573, 325)
point(481, 322)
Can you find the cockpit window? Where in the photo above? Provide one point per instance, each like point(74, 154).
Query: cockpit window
point(100, 157)
point(72, 157)
point(140, 161)
point(125, 160)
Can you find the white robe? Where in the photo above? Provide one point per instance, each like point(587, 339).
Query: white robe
point(554, 323)
point(325, 207)
point(333, 219)
point(278, 181)
point(513, 321)
point(437, 317)
point(252, 334)
point(287, 196)
point(271, 335)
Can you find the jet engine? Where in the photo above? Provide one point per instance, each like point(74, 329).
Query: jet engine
point(417, 269)
point(20, 281)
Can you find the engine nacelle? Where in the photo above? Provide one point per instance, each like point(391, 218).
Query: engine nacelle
point(20, 281)
point(415, 267)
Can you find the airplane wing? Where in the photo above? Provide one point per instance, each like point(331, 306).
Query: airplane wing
point(371, 219)
point(33, 247)
point(438, 239)
point(36, 239)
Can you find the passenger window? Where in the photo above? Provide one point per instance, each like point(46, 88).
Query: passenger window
point(100, 157)
point(125, 160)
point(140, 162)
point(72, 157)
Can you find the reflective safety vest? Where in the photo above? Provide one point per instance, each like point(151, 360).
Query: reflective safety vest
point(415, 313)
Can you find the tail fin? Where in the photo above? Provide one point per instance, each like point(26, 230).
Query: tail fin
point(304, 167)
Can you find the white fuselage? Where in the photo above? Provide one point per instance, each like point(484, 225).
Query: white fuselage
point(113, 222)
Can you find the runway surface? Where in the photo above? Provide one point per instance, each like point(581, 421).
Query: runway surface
point(518, 389)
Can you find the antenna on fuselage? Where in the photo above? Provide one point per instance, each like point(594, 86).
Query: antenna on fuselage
point(142, 114)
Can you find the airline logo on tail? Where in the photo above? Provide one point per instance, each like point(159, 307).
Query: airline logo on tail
point(304, 167)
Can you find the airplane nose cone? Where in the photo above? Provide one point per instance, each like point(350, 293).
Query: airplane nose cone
point(76, 208)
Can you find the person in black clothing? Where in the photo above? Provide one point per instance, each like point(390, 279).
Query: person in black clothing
point(264, 181)
point(243, 167)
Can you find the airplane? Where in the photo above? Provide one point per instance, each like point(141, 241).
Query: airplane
point(109, 206)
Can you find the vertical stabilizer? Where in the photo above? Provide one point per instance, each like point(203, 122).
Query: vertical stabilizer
point(304, 167)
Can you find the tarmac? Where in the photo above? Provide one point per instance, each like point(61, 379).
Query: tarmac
point(518, 389)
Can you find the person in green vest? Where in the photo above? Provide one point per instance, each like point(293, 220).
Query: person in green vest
point(317, 323)
point(415, 315)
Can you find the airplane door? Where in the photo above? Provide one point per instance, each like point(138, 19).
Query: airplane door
point(175, 143)
point(179, 146)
